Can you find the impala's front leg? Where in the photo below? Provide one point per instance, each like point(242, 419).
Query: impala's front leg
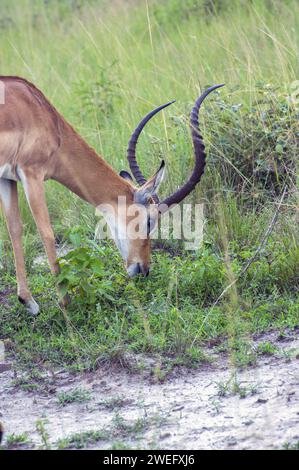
point(35, 194)
point(9, 199)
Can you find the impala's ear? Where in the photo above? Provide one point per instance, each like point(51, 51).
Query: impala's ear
point(151, 187)
point(126, 175)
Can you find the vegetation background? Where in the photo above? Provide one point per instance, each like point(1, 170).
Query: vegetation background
point(104, 64)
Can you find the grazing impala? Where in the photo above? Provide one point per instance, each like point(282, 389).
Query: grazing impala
point(36, 143)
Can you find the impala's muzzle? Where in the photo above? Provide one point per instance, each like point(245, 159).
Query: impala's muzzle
point(137, 268)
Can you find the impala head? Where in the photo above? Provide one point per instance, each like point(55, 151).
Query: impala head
point(138, 214)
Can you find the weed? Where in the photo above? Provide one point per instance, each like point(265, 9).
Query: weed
point(291, 446)
point(82, 440)
point(41, 429)
point(267, 349)
point(233, 387)
point(16, 440)
point(77, 395)
point(113, 402)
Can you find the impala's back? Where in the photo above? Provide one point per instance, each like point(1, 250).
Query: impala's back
point(28, 127)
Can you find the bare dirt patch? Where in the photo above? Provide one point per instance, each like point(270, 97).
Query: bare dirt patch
point(214, 407)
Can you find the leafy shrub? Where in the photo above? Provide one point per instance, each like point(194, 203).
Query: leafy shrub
point(274, 273)
point(255, 147)
point(85, 271)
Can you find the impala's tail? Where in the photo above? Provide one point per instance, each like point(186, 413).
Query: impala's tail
point(1, 432)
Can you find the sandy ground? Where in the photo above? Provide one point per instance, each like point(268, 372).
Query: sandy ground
point(213, 407)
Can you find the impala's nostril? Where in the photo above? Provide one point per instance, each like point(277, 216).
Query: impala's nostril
point(145, 271)
point(137, 268)
point(134, 269)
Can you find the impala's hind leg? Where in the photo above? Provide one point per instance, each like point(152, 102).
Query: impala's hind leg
point(9, 200)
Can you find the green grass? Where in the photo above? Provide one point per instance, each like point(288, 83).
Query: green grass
point(82, 440)
point(77, 395)
point(16, 440)
point(233, 387)
point(104, 65)
point(115, 433)
point(289, 446)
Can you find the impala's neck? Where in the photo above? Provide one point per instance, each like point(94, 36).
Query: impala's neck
point(81, 170)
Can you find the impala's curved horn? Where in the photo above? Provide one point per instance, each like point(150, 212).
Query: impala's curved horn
point(199, 155)
point(131, 152)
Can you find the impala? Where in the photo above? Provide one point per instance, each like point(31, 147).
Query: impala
point(37, 144)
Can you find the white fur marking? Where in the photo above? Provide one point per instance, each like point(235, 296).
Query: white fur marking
point(118, 233)
point(5, 192)
point(7, 173)
point(24, 182)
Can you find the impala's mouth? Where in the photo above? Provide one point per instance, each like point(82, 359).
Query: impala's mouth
point(137, 268)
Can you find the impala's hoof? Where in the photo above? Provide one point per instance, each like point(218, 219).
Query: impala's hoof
point(31, 306)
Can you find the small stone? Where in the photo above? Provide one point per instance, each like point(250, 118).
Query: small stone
point(248, 422)
point(261, 400)
point(231, 441)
